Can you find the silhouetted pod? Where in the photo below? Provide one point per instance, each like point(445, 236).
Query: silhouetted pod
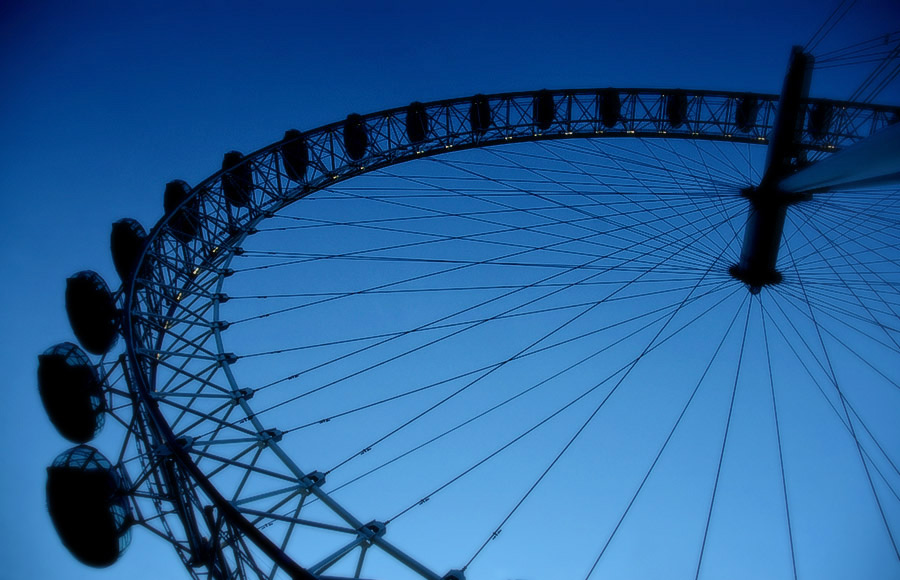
point(126, 242)
point(416, 122)
point(819, 122)
point(295, 155)
point(186, 222)
point(71, 391)
point(676, 108)
point(745, 111)
point(356, 138)
point(92, 311)
point(544, 109)
point(87, 502)
point(610, 107)
point(480, 114)
point(237, 181)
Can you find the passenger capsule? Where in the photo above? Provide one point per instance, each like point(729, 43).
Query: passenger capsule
point(416, 122)
point(480, 114)
point(186, 222)
point(819, 121)
point(746, 110)
point(92, 311)
point(610, 108)
point(544, 109)
point(237, 181)
point(126, 242)
point(676, 108)
point(71, 391)
point(295, 155)
point(88, 505)
point(356, 138)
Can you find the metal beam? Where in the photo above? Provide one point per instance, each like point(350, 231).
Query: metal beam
point(191, 266)
point(873, 161)
point(768, 205)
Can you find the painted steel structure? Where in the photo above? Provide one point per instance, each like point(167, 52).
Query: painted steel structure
point(175, 361)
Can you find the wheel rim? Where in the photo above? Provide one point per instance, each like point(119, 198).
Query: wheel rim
point(206, 261)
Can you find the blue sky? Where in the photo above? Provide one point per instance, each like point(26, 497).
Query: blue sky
point(104, 103)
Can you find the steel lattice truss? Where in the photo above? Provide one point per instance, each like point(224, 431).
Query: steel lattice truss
point(193, 438)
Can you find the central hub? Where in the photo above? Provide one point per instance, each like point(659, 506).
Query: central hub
point(762, 236)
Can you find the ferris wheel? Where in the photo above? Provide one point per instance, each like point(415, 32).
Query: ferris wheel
point(558, 333)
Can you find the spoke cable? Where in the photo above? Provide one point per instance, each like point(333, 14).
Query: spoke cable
point(665, 444)
point(715, 489)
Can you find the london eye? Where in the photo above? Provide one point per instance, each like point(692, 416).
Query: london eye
point(585, 330)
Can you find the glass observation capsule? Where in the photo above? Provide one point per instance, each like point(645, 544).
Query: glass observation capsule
point(186, 221)
point(676, 108)
point(544, 110)
point(71, 391)
point(746, 111)
point(237, 182)
point(126, 242)
point(88, 503)
point(416, 122)
point(819, 120)
point(356, 138)
point(480, 114)
point(610, 107)
point(294, 155)
point(92, 311)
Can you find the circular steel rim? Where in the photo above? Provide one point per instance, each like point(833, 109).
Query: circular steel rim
point(710, 117)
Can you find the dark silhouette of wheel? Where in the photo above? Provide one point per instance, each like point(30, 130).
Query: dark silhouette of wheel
point(420, 342)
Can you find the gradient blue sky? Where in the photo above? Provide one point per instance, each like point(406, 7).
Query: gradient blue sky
point(104, 102)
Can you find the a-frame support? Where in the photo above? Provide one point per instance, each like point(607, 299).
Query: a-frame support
point(872, 162)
